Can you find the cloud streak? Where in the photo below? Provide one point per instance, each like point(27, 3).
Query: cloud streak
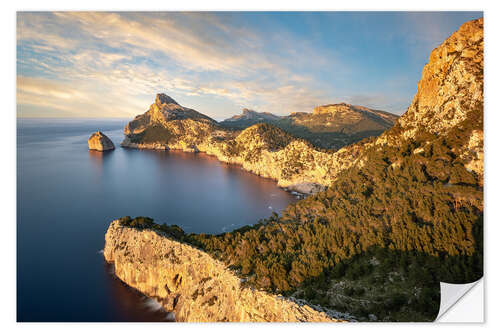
point(112, 64)
point(140, 54)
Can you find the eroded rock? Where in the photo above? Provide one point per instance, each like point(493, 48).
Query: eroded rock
point(100, 142)
point(193, 285)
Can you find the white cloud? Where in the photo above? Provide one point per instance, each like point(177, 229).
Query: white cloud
point(111, 64)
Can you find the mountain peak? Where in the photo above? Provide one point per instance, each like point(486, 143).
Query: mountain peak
point(162, 111)
point(247, 111)
point(162, 98)
point(451, 88)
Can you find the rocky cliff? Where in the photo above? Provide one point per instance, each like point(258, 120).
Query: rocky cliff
point(449, 96)
point(191, 284)
point(163, 110)
point(100, 142)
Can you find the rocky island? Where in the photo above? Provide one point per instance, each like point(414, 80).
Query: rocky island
point(399, 213)
point(100, 142)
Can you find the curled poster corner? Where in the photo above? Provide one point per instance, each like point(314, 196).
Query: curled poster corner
point(459, 304)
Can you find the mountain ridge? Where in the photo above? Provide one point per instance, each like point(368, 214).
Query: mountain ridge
point(248, 114)
point(330, 126)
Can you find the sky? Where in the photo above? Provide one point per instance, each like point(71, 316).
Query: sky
point(105, 64)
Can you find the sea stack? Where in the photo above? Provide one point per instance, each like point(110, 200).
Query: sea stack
point(100, 142)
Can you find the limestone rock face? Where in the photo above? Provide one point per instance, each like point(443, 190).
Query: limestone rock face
point(451, 87)
point(100, 142)
point(450, 95)
point(164, 109)
point(191, 284)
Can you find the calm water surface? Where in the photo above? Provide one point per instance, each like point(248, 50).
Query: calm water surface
point(67, 196)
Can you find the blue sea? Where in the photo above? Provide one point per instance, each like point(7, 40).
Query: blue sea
point(67, 196)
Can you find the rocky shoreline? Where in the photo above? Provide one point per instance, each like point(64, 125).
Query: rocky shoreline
point(297, 188)
point(195, 287)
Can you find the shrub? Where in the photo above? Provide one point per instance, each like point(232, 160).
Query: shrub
point(140, 222)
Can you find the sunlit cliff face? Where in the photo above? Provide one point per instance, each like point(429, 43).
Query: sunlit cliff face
point(191, 284)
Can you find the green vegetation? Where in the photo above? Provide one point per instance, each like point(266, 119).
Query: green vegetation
point(152, 134)
point(378, 240)
point(142, 222)
point(420, 206)
point(392, 285)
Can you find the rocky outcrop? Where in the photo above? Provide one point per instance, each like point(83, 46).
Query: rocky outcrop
point(100, 142)
point(163, 110)
point(450, 96)
point(451, 87)
point(193, 285)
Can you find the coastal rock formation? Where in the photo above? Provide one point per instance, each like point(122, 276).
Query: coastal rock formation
point(163, 110)
point(100, 142)
point(263, 149)
point(191, 284)
point(451, 87)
